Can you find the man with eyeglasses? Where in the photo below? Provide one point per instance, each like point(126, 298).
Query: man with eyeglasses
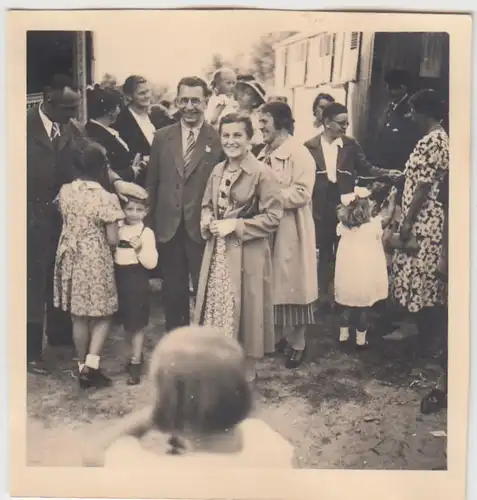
point(340, 161)
point(182, 158)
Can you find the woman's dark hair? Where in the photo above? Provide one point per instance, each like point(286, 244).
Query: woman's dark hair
point(193, 81)
point(281, 114)
point(237, 118)
point(132, 83)
point(357, 213)
point(90, 158)
point(428, 103)
point(334, 109)
point(319, 97)
point(396, 78)
point(102, 101)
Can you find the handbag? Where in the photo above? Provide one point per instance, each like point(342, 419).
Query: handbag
point(394, 242)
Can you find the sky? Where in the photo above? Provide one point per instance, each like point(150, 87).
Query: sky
point(170, 45)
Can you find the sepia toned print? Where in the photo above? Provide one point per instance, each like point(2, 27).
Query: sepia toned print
point(239, 258)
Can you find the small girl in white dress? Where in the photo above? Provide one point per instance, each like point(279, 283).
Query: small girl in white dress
point(361, 276)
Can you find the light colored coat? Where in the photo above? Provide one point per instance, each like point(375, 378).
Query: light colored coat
point(294, 255)
point(257, 207)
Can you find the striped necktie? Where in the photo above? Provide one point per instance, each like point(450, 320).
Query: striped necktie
point(190, 145)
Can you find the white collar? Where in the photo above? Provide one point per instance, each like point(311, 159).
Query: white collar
point(47, 123)
point(139, 118)
point(109, 129)
point(195, 130)
point(337, 142)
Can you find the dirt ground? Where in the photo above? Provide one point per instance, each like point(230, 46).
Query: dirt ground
point(341, 409)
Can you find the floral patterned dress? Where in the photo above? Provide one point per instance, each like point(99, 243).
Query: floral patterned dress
point(84, 282)
point(414, 282)
point(220, 299)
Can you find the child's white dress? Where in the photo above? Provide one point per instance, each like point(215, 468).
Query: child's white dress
point(231, 106)
point(361, 275)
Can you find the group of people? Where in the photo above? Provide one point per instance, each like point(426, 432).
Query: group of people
point(221, 196)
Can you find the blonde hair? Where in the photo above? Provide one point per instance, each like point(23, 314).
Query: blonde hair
point(199, 376)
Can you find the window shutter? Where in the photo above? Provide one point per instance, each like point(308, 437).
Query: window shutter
point(346, 57)
point(297, 64)
point(280, 67)
point(319, 60)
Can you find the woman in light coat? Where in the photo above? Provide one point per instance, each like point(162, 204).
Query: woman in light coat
point(241, 209)
point(295, 288)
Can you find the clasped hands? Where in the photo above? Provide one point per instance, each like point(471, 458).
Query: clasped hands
point(220, 228)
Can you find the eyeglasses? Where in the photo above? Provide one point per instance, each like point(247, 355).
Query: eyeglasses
point(195, 101)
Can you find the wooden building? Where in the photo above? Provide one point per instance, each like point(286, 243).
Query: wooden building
point(351, 67)
point(52, 52)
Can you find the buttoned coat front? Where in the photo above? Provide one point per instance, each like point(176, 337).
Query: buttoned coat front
point(294, 255)
point(256, 205)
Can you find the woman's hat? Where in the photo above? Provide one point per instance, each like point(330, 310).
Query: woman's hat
point(250, 81)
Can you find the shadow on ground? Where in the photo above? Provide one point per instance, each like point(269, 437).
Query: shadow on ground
point(342, 408)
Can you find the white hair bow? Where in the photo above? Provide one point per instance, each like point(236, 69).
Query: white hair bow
point(359, 192)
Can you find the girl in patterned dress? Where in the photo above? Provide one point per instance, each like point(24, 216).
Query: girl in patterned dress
point(84, 281)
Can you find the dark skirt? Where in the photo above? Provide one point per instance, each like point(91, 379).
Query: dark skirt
point(132, 282)
point(294, 314)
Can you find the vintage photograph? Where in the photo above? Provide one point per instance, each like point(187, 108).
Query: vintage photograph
point(248, 259)
point(237, 246)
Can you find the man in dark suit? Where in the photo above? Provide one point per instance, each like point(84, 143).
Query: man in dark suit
point(396, 134)
point(52, 136)
point(340, 162)
point(182, 158)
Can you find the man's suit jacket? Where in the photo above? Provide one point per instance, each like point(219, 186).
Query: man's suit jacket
point(48, 168)
point(351, 166)
point(119, 157)
point(396, 137)
point(131, 133)
point(174, 193)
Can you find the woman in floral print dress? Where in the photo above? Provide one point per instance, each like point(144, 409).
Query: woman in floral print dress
point(415, 285)
point(241, 209)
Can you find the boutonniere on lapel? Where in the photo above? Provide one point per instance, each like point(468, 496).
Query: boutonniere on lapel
point(208, 149)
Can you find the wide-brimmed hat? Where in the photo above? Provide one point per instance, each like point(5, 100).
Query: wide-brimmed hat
point(250, 81)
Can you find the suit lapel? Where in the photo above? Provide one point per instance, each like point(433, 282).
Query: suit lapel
point(343, 155)
point(199, 150)
point(38, 129)
point(175, 143)
point(64, 136)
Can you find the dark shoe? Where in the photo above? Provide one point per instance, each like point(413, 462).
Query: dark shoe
point(135, 370)
point(282, 345)
point(362, 347)
point(95, 378)
point(85, 378)
point(295, 358)
point(434, 402)
point(128, 364)
point(37, 368)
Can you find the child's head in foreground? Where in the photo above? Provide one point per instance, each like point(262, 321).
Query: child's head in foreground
point(200, 384)
point(135, 209)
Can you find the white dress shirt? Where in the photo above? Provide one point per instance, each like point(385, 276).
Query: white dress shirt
point(145, 125)
point(330, 152)
point(147, 256)
point(48, 124)
point(185, 134)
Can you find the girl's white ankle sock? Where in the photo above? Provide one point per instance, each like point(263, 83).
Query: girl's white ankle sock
point(360, 338)
point(92, 361)
point(344, 333)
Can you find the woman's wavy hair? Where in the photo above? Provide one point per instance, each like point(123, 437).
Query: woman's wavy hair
point(282, 115)
point(237, 118)
point(357, 213)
